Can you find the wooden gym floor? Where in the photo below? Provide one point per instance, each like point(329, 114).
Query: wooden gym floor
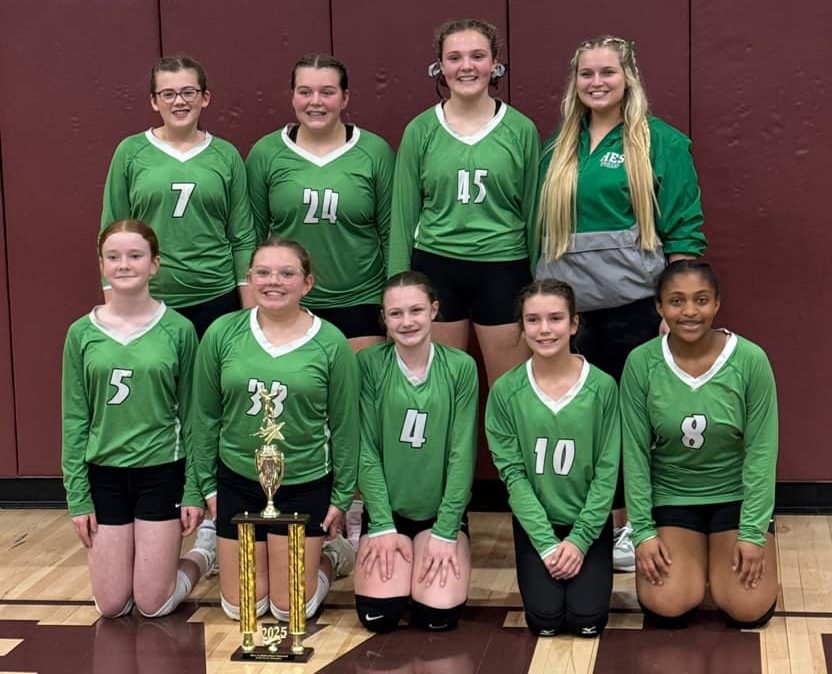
point(49, 625)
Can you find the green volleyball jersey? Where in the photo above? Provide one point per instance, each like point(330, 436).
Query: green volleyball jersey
point(418, 438)
point(315, 383)
point(125, 401)
point(337, 206)
point(699, 440)
point(465, 197)
point(196, 202)
point(558, 458)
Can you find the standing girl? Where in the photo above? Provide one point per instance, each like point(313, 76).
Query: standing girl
point(553, 428)
point(327, 185)
point(127, 462)
point(699, 412)
point(308, 367)
point(192, 187)
point(463, 198)
point(619, 197)
point(418, 430)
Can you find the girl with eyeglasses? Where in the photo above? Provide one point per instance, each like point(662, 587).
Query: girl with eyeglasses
point(311, 372)
point(619, 198)
point(126, 456)
point(463, 197)
point(326, 184)
point(191, 186)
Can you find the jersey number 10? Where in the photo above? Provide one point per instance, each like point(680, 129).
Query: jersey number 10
point(562, 457)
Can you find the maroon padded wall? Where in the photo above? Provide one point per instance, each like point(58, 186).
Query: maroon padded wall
point(8, 444)
point(248, 50)
point(68, 92)
point(760, 104)
point(387, 47)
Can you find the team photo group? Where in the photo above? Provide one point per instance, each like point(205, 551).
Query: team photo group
point(345, 281)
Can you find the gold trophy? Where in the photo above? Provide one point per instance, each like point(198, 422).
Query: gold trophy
point(270, 466)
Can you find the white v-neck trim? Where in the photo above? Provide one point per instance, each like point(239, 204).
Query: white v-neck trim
point(474, 138)
point(283, 349)
point(557, 405)
point(125, 340)
point(173, 152)
point(701, 380)
point(325, 159)
point(414, 379)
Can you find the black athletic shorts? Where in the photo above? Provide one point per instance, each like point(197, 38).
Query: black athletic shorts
point(485, 292)
point(237, 494)
point(706, 519)
point(205, 313)
point(122, 495)
point(361, 320)
point(410, 528)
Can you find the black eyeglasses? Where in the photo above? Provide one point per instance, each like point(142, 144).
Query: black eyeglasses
point(188, 94)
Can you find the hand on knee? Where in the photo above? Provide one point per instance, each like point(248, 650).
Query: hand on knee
point(380, 615)
point(435, 619)
point(545, 624)
point(586, 625)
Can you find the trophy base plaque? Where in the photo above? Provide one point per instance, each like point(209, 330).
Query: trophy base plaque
point(263, 654)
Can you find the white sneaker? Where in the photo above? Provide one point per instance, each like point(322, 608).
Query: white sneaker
point(341, 554)
point(205, 543)
point(623, 552)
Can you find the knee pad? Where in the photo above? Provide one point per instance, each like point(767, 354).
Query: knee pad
point(652, 619)
point(233, 611)
point(312, 605)
point(182, 590)
point(127, 608)
point(380, 615)
point(435, 619)
point(753, 624)
point(545, 625)
point(588, 626)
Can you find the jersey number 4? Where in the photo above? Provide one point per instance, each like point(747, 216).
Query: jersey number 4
point(413, 429)
point(693, 431)
point(185, 191)
point(463, 185)
point(562, 457)
point(329, 206)
point(117, 378)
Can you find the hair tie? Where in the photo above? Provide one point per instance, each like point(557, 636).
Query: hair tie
point(497, 71)
point(434, 70)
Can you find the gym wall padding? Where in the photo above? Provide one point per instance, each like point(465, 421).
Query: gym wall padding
point(745, 79)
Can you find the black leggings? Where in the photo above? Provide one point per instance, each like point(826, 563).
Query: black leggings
point(580, 605)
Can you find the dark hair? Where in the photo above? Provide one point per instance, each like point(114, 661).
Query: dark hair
point(291, 244)
point(409, 278)
point(175, 63)
point(133, 227)
point(696, 266)
point(546, 286)
point(322, 61)
point(487, 30)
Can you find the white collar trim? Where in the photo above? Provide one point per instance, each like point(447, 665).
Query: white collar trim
point(125, 340)
point(414, 379)
point(701, 380)
point(315, 159)
point(283, 349)
point(173, 152)
point(475, 138)
point(557, 405)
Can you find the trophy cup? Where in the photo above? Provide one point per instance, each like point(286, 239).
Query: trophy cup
point(270, 466)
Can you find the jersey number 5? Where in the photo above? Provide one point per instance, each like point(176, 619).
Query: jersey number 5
point(185, 191)
point(329, 206)
point(464, 185)
point(122, 390)
point(413, 429)
point(562, 458)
